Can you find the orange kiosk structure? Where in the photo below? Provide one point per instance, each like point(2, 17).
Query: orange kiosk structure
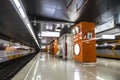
point(84, 42)
point(55, 46)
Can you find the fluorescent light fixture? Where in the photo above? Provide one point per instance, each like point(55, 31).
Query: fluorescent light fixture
point(73, 31)
point(105, 44)
point(58, 25)
point(108, 36)
point(39, 34)
point(117, 34)
point(39, 37)
point(43, 47)
point(58, 30)
point(35, 23)
point(62, 25)
point(51, 27)
point(47, 27)
point(28, 25)
point(50, 34)
point(77, 29)
point(43, 41)
point(31, 31)
point(17, 3)
point(68, 26)
point(22, 12)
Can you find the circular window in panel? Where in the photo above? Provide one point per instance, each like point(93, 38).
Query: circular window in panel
point(77, 29)
point(77, 49)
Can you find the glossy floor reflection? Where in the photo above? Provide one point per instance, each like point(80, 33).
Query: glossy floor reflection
point(47, 67)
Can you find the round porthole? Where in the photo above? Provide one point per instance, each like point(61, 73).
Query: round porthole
point(77, 49)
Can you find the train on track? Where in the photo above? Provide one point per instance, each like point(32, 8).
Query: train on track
point(10, 50)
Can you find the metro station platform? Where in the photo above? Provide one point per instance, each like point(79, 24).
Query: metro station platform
point(47, 67)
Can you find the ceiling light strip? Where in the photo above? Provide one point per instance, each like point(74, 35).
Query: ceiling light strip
point(21, 11)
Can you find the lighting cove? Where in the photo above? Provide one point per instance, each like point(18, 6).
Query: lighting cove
point(22, 13)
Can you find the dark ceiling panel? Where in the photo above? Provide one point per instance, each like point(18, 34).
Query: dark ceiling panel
point(48, 4)
point(87, 11)
point(61, 5)
point(61, 15)
point(30, 6)
point(104, 6)
point(36, 28)
point(56, 10)
point(48, 12)
point(46, 8)
point(105, 11)
point(12, 26)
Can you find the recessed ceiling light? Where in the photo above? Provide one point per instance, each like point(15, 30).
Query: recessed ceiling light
point(17, 3)
point(58, 25)
point(40, 37)
point(62, 25)
point(22, 12)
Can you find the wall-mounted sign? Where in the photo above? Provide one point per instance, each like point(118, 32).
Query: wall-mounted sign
point(105, 26)
point(108, 36)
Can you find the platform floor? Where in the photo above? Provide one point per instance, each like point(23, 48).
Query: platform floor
point(47, 67)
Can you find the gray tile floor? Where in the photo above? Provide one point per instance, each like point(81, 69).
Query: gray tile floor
point(46, 67)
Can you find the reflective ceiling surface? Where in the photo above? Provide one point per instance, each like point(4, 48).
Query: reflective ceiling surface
point(60, 11)
point(11, 25)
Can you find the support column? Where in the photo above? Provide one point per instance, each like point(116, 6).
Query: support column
point(84, 42)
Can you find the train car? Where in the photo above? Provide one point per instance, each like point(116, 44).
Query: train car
point(9, 51)
point(108, 49)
